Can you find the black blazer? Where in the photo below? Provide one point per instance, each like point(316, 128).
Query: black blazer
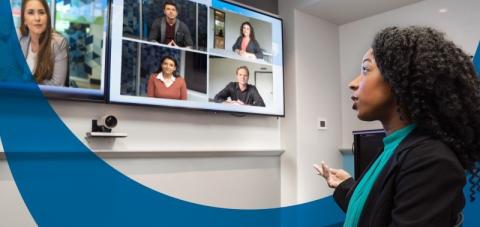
point(182, 35)
point(421, 185)
point(252, 47)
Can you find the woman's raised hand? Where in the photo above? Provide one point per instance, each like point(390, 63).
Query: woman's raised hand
point(334, 177)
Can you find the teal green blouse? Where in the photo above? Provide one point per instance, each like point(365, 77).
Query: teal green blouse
point(360, 195)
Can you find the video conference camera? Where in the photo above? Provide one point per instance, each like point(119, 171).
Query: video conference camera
point(104, 124)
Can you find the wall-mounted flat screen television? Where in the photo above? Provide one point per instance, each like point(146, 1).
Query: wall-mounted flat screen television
point(78, 45)
point(201, 54)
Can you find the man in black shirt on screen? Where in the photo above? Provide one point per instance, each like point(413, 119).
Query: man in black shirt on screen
point(240, 92)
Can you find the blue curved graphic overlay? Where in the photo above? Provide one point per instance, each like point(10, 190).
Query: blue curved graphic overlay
point(476, 59)
point(472, 208)
point(63, 183)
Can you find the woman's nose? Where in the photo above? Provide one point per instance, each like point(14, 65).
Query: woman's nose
point(353, 85)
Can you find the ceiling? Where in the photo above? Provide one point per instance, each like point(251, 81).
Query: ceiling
point(346, 11)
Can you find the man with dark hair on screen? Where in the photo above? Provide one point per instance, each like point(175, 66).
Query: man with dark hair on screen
point(169, 29)
point(240, 92)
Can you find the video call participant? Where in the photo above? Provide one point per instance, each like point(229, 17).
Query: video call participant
point(240, 92)
point(165, 83)
point(45, 50)
point(424, 90)
point(169, 29)
point(246, 44)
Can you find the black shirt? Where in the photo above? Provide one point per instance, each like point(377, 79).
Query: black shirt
point(169, 33)
point(249, 96)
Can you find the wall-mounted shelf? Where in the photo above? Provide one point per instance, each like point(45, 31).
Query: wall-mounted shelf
point(106, 134)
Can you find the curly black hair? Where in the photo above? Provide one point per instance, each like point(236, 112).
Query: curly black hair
point(435, 84)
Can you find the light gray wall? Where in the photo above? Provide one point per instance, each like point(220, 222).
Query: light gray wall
point(172, 130)
point(289, 123)
point(311, 91)
point(13, 212)
point(229, 181)
point(317, 72)
point(460, 24)
point(162, 129)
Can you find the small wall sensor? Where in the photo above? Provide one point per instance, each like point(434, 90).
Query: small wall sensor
point(321, 124)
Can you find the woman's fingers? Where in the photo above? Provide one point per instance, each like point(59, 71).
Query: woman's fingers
point(326, 171)
point(318, 169)
point(333, 171)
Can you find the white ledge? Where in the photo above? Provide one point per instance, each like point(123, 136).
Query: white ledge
point(143, 153)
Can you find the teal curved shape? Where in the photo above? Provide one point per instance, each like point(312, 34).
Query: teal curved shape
point(63, 183)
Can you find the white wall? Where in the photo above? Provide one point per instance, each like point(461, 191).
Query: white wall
point(162, 129)
point(232, 182)
point(221, 180)
point(171, 130)
point(13, 211)
point(289, 123)
point(312, 77)
point(318, 76)
point(460, 23)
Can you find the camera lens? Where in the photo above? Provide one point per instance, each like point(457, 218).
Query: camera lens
point(111, 121)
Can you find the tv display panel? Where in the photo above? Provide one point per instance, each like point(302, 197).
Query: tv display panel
point(214, 58)
point(84, 26)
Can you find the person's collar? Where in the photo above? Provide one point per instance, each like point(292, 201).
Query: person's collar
point(399, 134)
point(237, 85)
point(173, 24)
point(160, 77)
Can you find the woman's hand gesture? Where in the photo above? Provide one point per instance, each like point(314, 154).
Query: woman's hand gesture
point(334, 177)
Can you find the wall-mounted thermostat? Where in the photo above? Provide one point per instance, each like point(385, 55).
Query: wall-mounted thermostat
point(321, 124)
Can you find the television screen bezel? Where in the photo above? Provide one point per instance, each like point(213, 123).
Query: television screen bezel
point(236, 113)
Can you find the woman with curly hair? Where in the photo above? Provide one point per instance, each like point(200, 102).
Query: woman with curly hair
point(425, 92)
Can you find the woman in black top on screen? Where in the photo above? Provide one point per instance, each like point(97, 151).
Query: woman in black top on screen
point(246, 44)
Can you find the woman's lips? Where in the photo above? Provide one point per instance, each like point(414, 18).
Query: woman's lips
point(354, 99)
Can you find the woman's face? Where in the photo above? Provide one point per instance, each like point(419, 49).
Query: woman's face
point(372, 96)
point(168, 66)
point(246, 30)
point(36, 17)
